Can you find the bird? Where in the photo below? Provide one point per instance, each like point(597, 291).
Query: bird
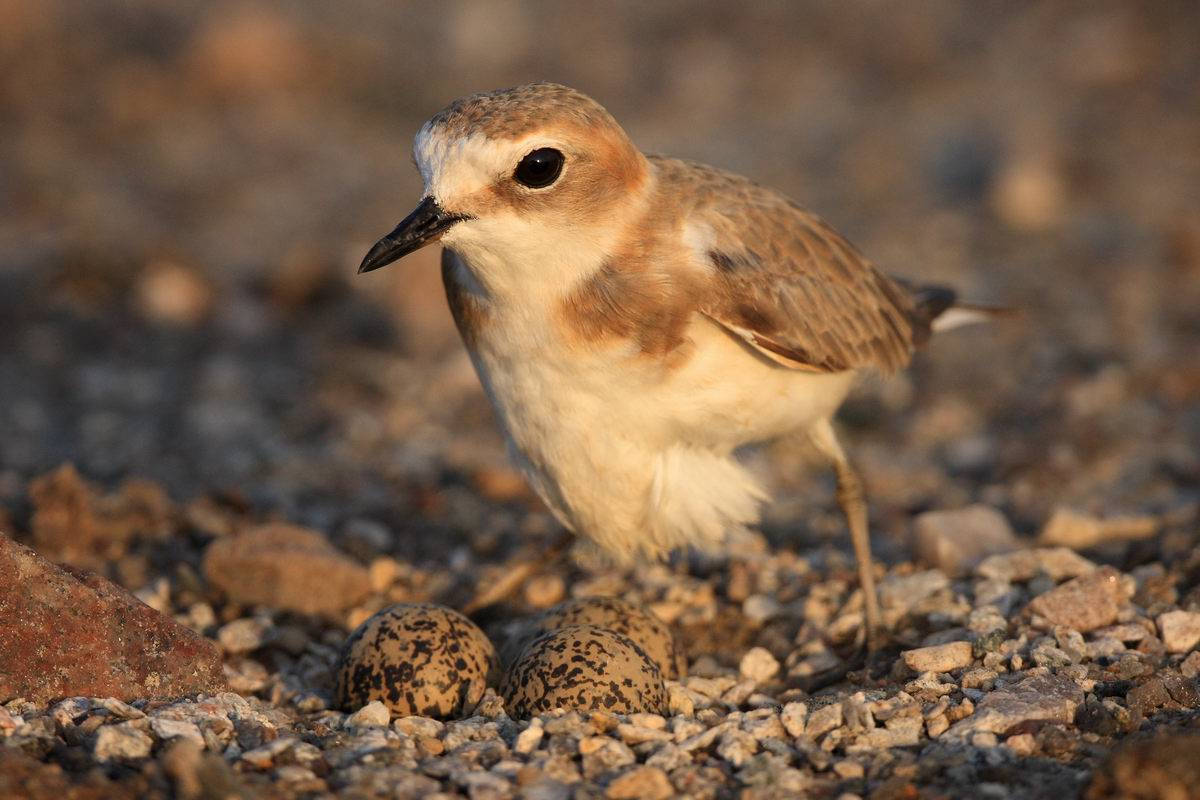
point(637, 319)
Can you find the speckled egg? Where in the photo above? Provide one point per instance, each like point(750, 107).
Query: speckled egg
point(583, 668)
point(423, 660)
point(628, 619)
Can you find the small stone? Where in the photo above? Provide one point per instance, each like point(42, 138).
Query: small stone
point(277, 565)
point(679, 700)
point(849, 770)
point(1125, 632)
point(940, 658)
point(760, 608)
point(544, 591)
point(978, 679)
point(739, 693)
point(1080, 531)
point(264, 757)
point(243, 635)
point(736, 747)
point(955, 541)
point(1057, 563)
point(173, 294)
point(634, 735)
point(121, 742)
point(640, 783)
point(793, 717)
point(1180, 630)
point(1085, 603)
point(1190, 667)
point(529, 739)
point(373, 715)
point(176, 729)
point(758, 665)
point(902, 593)
point(383, 571)
point(823, 720)
point(936, 726)
point(119, 708)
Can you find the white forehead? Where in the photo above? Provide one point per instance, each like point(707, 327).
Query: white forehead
point(456, 166)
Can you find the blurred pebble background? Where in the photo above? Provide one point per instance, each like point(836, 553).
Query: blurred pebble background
point(186, 189)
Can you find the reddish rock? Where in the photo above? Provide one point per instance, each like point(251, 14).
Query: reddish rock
point(286, 567)
point(65, 632)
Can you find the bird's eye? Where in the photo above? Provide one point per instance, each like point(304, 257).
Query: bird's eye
point(540, 168)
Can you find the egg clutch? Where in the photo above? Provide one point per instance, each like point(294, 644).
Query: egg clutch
point(587, 654)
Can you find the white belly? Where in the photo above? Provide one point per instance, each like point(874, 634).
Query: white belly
point(634, 455)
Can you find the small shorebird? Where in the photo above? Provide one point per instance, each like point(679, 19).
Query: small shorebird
point(634, 319)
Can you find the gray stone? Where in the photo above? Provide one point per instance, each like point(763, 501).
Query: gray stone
point(1050, 698)
point(1058, 563)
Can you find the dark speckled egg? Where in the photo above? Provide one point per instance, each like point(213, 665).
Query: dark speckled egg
point(628, 619)
point(422, 660)
point(583, 668)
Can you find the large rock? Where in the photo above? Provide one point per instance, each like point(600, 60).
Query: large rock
point(286, 567)
point(65, 632)
point(1035, 698)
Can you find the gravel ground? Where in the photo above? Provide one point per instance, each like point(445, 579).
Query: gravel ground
point(186, 191)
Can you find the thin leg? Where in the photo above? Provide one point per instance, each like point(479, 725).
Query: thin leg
point(854, 506)
point(518, 571)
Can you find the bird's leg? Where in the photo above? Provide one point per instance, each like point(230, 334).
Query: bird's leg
point(854, 506)
point(517, 572)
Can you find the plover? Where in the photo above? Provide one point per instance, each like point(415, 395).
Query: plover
point(635, 319)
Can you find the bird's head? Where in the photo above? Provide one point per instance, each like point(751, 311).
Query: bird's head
point(517, 175)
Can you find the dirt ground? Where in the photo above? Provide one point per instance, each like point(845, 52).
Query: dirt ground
point(186, 190)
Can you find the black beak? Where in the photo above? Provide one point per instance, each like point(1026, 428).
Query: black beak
point(425, 224)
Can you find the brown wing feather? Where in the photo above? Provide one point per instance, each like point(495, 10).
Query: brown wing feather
point(786, 282)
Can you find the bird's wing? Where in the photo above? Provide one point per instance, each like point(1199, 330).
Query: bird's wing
point(787, 283)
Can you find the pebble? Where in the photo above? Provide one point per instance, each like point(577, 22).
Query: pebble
point(640, 783)
point(794, 716)
point(956, 540)
point(823, 720)
point(373, 715)
point(1085, 603)
point(1180, 630)
point(940, 658)
point(176, 729)
point(758, 665)
point(1072, 529)
point(243, 635)
point(121, 742)
point(529, 739)
point(736, 747)
point(1057, 563)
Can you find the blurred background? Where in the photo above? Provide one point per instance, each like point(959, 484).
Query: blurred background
point(186, 189)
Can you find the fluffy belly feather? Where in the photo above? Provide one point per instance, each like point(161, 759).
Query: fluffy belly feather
point(632, 454)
